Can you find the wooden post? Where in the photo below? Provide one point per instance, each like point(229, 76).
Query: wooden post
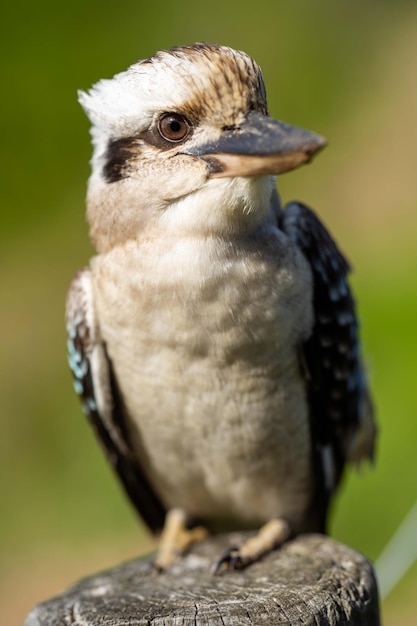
point(312, 580)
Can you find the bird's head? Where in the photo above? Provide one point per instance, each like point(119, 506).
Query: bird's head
point(183, 140)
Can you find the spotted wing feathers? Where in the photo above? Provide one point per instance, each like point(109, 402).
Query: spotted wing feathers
point(340, 406)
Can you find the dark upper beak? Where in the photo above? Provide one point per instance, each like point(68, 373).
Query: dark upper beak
point(260, 145)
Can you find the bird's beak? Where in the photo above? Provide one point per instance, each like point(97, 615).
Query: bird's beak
point(260, 145)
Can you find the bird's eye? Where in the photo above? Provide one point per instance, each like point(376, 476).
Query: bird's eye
point(174, 127)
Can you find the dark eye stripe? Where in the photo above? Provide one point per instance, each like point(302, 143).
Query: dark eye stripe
point(121, 152)
point(118, 154)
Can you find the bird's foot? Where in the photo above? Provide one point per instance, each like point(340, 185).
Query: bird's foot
point(273, 534)
point(176, 538)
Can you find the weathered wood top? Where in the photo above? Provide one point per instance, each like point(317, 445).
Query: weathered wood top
point(311, 580)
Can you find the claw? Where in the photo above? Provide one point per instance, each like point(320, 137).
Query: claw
point(230, 558)
point(269, 537)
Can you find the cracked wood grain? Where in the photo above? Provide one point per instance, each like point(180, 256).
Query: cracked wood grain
point(312, 580)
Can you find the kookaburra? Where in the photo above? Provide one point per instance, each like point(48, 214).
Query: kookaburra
point(213, 338)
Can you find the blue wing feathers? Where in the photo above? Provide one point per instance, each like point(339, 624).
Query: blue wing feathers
point(110, 430)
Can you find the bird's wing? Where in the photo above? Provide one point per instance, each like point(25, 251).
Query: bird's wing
point(341, 412)
point(95, 383)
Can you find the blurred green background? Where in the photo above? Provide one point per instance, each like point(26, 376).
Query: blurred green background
point(345, 68)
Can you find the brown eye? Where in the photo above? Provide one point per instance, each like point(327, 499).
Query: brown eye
point(173, 127)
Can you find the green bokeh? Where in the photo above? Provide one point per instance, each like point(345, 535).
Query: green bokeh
point(339, 67)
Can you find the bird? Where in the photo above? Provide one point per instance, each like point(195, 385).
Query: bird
point(213, 338)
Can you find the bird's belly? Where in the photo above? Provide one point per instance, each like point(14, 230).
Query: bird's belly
point(214, 395)
point(225, 443)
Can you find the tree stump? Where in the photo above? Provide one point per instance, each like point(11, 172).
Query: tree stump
point(312, 580)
